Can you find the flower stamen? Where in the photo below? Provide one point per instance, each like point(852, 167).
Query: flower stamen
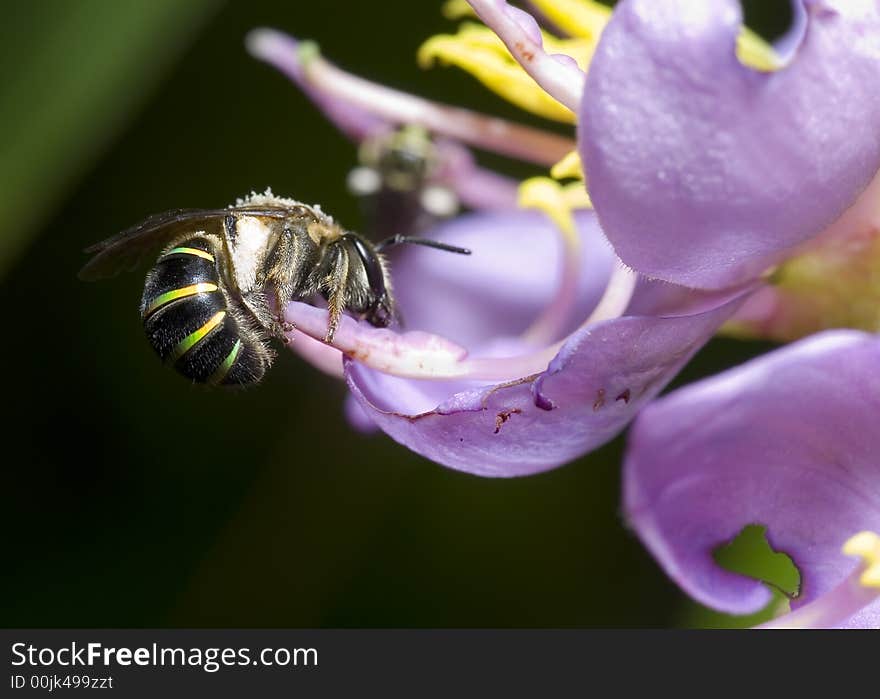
point(583, 18)
point(457, 9)
point(548, 196)
point(569, 166)
point(754, 52)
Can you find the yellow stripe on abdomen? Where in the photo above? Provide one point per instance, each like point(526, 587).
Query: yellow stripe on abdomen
point(190, 251)
point(183, 292)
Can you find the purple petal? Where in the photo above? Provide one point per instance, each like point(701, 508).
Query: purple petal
point(357, 418)
point(788, 441)
point(830, 282)
point(786, 45)
point(704, 172)
point(412, 353)
point(521, 34)
point(596, 384)
point(324, 357)
point(509, 278)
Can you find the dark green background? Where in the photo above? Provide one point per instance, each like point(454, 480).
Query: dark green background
point(130, 498)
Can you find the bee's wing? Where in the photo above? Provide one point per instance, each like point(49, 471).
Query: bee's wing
point(124, 251)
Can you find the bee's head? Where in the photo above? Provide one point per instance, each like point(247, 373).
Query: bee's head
point(379, 307)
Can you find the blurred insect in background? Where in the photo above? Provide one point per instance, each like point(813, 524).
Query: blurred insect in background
point(216, 295)
point(397, 182)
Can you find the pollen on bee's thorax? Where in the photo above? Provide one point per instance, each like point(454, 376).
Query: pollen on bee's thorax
point(252, 241)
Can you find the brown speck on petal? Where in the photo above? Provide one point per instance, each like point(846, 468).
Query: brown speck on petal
point(504, 416)
point(525, 53)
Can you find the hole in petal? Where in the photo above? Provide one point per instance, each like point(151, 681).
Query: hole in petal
point(751, 554)
point(769, 19)
point(770, 33)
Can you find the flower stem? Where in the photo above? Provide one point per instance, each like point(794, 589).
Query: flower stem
point(302, 60)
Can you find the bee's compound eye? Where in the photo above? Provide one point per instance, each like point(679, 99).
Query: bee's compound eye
point(372, 267)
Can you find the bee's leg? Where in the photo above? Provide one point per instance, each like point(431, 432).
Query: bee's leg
point(257, 305)
point(335, 288)
point(291, 255)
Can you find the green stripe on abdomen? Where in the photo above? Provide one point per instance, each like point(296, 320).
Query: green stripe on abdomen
point(194, 338)
point(224, 368)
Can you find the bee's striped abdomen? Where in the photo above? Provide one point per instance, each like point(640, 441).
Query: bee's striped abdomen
point(187, 320)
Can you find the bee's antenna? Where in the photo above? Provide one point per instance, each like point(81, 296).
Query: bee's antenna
point(407, 239)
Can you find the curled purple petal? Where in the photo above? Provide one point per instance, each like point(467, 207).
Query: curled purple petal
point(786, 45)
point(562, 80)
point(581, 396)
point(525, 21)
point(357, 417)
point(788, 441)
point(595, 385)
point(705, 172)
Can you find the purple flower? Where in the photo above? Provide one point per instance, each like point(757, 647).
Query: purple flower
point(509, 371)
point(508, 405)
point(830, 282)
point(535, 349)
point(714, 163)
point(706, 172)
point(362, 109)
point(788, 441)
point(734, 171)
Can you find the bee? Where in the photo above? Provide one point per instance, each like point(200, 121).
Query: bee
point(216, 295)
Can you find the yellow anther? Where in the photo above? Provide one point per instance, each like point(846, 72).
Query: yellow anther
point(457, 9)
point(581, 18)
point(569, 166)
point(575, 195)
point(756, 53)
point(477, 50)
point(549, 196)
point(866, 545)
